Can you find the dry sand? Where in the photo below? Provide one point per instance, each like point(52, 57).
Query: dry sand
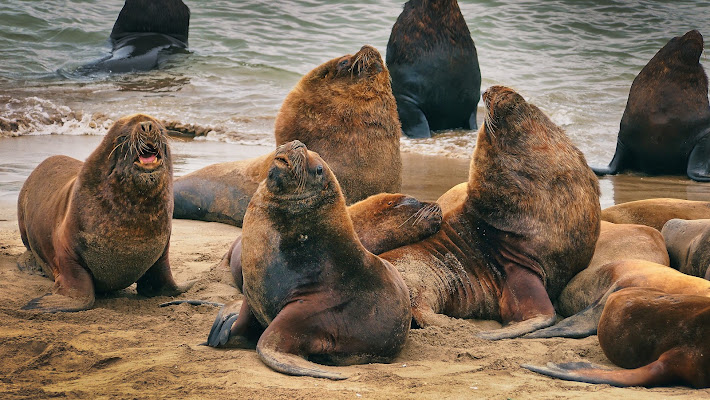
point(127, 347)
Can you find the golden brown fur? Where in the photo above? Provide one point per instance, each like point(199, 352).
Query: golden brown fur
point(656, 212)
point(344, 110)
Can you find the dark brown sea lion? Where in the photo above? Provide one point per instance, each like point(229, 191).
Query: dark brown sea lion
point(103, 224)
point(656, 212)
point(145, 32)
point(528, 225)
point(220, 192)
point(666, 124)
point(345, 111)
point(583, 299)
point(308, 280)
point(434, 66)
point(688, 244)
point(662, 336)
point(382, 222)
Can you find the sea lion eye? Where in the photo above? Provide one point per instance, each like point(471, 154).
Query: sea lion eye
point(319, 170)
point(389, 203)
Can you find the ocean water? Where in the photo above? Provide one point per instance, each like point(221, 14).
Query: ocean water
point(575, 59)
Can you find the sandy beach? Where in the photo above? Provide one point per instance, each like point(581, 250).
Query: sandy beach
point(128, 347)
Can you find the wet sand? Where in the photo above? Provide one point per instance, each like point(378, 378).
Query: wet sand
point(128, 347)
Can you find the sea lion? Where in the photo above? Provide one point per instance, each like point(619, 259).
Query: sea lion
point(143, 34)
point(345, 111)
point(453, 197)
point(662, 336)
point(656, 212)
point(665, 128)
point(583, 299)
point(103, 224)
point(528, 225)
point(688, 244)
point(220, 192)
point(382, 222)
point(434, 66)
point(319, 294)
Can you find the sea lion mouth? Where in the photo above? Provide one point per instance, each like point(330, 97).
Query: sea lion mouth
point(148, 156)
point(367, 62)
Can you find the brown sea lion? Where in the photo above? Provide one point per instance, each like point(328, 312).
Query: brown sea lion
point(662, 336)
point(345, 111)
point(434, 66)
point(583, 299)
point(656, 212)
point(665, 128)
point(688, 244)
point(453, 197)
point(145, 32)
point(382, 222)
point(220, 192)
point(528, 225)
point(103, 224)
point(319, 294)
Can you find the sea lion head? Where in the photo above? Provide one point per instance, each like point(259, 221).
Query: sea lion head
point(134, 156)
point(364, 68)
point(386, 221)
point(505, 112)
point(686, 48)
point(300, 179)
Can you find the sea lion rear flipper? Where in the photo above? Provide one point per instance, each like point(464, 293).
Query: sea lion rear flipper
point(286, 343)
point(672, 366)
point(414, 122)
point(616, 164)
point(699, 161)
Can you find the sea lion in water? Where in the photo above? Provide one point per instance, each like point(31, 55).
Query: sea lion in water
point(103, 224)
point(662, 336)
point(665, 128)
point(434, 66)
point(656, 212)
point(528, 225)
point(382, 222)
point(307, 278)
point(220, 192)
point(583, 299)
point(345, 111)
point(688, 244)
point(143, 34)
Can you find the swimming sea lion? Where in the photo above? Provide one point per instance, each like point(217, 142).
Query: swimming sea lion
point(345, 111)
point(103, 224)
point(662, 336)
point(382, 222)
point(307, 278)
point(220, 192)
point(582, 299)
point(144, 32)
point(656, 212)
point(434, 66)
point(688, 244)
point(528, 225)
point(665, 128)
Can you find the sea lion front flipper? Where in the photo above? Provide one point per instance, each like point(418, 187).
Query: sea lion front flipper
point(73, 287)
point(472, 123)
point(234, 327)
point(577, 326)
point(616, 164)
point(287, 340)
point(574, 371)
point(524, 304)
point(158, 279)
point(414, 122)
point(53, 303)
point(699, 161)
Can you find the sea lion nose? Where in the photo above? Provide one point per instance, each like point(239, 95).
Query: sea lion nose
point(146, 126)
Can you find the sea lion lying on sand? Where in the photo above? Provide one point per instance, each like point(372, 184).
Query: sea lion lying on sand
point(656, 212)
point(528, 225)
point(688, 244)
